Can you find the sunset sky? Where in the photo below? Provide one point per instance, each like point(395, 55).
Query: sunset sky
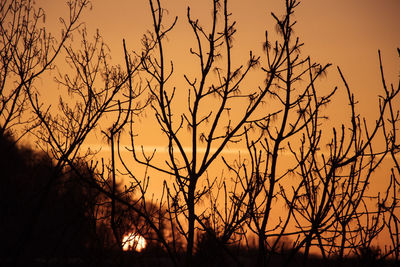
point(120, 132)
point(345, 33)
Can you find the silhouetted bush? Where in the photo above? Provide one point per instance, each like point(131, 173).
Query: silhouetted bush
point(40, 224)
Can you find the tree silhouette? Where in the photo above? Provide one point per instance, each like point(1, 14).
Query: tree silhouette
point(27, 51)
point(66, 224)
point(67, 201)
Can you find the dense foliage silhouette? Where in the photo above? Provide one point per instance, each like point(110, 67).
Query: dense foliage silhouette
point(66, 225)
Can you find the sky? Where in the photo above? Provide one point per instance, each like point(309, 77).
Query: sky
point(342, 31)
point(345, 33)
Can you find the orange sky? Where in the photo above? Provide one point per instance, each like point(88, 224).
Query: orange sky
point(346, 33)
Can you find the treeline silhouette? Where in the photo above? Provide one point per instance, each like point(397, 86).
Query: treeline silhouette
point(64, 224)
point(71, 227)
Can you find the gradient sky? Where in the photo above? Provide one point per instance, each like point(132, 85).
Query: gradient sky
point(346, 33)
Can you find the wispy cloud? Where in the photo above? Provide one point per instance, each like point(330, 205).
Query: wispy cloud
point(161, 149)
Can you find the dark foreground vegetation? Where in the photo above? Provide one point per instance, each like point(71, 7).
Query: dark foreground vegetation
point(68, 230)
point(61, 204)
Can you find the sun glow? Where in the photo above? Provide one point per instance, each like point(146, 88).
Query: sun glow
point(133, 241)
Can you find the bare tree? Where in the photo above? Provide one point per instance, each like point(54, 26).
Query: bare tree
point(332, 200)
point(27, 51)
point(324, 186)
point(99, 95)
point(212, 128)
point(388, 205)
point(324, 203)
point(328, 201)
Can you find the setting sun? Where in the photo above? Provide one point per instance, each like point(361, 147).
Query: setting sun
point(133, 242)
